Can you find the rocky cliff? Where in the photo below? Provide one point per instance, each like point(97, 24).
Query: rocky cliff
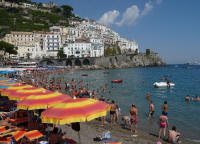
point(127, 61)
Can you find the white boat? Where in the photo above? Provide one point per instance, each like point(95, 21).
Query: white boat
point(163, 84)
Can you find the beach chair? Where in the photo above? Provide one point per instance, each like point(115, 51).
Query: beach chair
point(19, 120)
point(33, 135)
point(5, 140)
point(18, 135)
point(2, 129)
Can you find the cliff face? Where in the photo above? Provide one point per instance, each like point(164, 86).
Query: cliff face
point(126, 61)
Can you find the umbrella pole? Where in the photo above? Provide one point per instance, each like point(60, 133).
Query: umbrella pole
point(79, 137)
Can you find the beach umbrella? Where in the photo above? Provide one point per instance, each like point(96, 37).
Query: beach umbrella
point(75, 110)
point(21, 94)
point(5, 83)
point(7, 91)
point(42, 101)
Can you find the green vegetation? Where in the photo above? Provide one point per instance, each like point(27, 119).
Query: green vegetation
point(19, 19)
point(112, 50)
point(61, 54)
point(109, 51)
point(8, 48)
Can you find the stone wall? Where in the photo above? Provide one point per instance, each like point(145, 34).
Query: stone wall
point(126, 61)
point(109, 62)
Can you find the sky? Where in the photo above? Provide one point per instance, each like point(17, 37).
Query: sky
point(169, 27)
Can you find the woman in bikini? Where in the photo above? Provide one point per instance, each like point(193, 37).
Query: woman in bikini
point(133, 118)
point(163, 123)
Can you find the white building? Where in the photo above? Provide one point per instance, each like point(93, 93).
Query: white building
point(59, 29)
point(79, 48)
point(52, 43)
point(97, 47)
point(127, 45)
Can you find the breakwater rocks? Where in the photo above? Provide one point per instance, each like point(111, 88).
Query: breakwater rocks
point(127, 61)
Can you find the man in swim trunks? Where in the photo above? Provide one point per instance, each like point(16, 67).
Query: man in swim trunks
point(134, 118)
point(163, 123)
point(165, 108)
point(151, 109)
point(112, 112)
point(173, 136)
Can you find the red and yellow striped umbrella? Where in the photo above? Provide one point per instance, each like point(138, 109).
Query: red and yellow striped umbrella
point(21, 94)
point(42, 100)
point(7, 91)
point(75, 110)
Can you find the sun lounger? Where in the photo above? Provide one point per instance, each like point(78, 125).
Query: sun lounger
point(18, 121)
point(5, 140)
point(32, 135)
point(2, 129)
point(18, 135)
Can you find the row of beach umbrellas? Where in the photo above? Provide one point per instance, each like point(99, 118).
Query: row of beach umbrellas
point(59, 108)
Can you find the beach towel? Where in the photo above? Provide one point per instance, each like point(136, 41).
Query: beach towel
point(111, 142)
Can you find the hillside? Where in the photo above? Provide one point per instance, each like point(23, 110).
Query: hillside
point(28, 19)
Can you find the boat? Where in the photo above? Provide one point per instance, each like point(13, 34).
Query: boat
point(163, 84)
point(106, 72)
point(84, 75)
point(117, 81)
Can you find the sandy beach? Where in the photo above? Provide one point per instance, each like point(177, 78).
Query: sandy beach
point(92, 129)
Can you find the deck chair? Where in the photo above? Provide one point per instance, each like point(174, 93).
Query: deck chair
point(2, 129)
point(18, 135)
point(33, 135)
point(5, 140)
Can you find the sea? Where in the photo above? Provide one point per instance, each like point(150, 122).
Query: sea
point(137, 82)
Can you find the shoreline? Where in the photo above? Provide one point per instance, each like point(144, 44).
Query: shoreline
point(92, 129)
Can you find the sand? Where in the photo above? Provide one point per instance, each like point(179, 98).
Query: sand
point(90, 130)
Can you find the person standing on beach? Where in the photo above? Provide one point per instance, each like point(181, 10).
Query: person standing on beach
point(163, 123)
point(151, 109)
point(134, 118)
point(113, 108)
point(165, 108)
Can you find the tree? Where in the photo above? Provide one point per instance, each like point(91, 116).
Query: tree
point(67, 11)
point(56, 10)
point(61, 53)
point(28, 55)
point(8, 48)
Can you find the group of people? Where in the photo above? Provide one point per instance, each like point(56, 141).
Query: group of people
point(132, 120)
point(173, 135)
point(79, 89)
point(188, 98)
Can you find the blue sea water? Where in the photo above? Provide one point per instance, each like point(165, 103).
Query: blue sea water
point(185, 116)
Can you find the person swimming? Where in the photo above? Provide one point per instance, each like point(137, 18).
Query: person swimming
point(187, 98)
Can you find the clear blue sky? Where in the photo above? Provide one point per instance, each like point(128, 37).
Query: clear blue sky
point(169, 27)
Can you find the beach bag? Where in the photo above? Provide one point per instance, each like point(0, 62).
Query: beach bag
point(76, 126)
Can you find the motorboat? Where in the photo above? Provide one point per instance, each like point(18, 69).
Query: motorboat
point(117, 81)
point(84, 75)
point(163, 84)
